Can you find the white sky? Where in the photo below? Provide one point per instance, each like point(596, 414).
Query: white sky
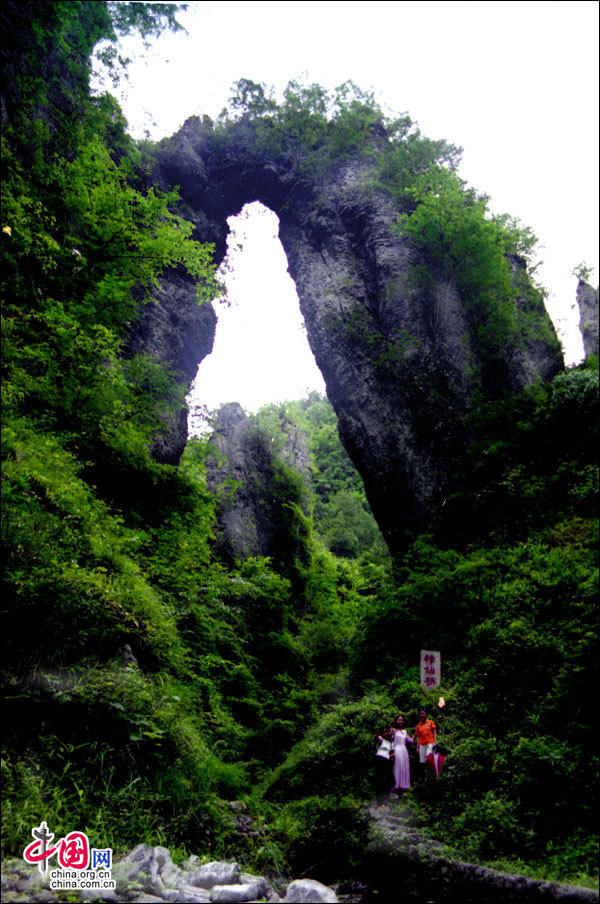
point(514, 83)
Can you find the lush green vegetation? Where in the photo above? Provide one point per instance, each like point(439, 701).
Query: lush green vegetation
point(311, 129)
point(99, 538)
point(508, 592)
point(485, 257)
point(342, 519)
point(261, 679)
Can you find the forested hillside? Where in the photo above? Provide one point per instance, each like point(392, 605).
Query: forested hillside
point(149, 681)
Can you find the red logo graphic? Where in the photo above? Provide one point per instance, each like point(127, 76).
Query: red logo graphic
point(73, 851)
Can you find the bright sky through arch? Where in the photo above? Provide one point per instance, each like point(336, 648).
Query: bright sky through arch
point(261, 351)
point(514, 83)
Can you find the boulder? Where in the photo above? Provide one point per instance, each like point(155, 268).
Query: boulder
point(235, 894)
point(215, 873)
point(191, 894)
point(309, 891)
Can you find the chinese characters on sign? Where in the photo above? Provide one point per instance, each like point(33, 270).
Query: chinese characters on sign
point(102, 858)
point(431, 669)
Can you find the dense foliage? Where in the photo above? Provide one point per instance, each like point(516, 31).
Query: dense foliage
point(99, 538)
point(312, 128)
point(508, 592)
point(341, 514)
point(145, 675)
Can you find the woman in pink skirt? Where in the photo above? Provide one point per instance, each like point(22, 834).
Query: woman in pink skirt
point(401, 762)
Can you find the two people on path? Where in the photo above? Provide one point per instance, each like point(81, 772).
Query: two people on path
point(392, 764)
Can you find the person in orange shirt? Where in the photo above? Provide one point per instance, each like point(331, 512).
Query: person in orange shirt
point(425, 736)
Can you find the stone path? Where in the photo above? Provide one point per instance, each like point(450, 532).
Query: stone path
point(400, 847)
point(396, 827)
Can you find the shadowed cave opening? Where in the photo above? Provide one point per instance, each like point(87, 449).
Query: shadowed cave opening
point(261, 353)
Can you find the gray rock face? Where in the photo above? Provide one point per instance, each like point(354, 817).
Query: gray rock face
point(246, 476)
point(215, 873)
point(309, 891)
point(587, 300)
point(178, 332)
point(152, 871)
point(191, 894)
point(399, 351)
point(232, 476)
point(235, 894)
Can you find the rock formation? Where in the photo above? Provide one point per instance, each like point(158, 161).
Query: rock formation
point(149, 874)
point(396, 346)
point(587, 301)
point(255, 494)
point(178, 332)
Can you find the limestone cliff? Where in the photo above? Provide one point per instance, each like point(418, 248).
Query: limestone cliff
point(258, 499)
point(179, 333)
point(587, 301)
point(396, 345)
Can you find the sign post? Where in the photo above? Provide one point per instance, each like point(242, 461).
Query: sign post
point(431, 669)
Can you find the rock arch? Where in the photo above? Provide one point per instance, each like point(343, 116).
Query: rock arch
point(400, 360)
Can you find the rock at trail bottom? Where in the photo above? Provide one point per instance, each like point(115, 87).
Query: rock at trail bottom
point(235, 894)
point(95, 894)
point(191, 894)
point(309, 891)
point(148, 899)
point(216, 873)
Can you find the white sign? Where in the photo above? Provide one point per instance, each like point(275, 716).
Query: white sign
point(431, 668)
